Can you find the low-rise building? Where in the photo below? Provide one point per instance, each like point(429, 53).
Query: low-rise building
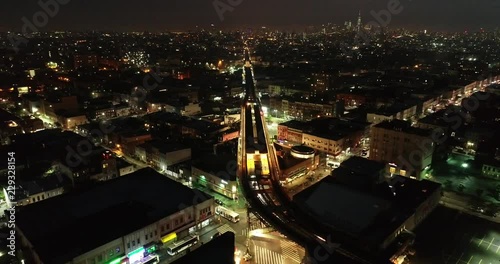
point(124, 167)
point(166, 154)
point(395, 111)
point(162, 154)
point(306, 110)
point(52, 105)
point(368, 220)
point(38, 190)
point(128, 140)
point(406, 150)
point(438, 121)
point(217, 173)
point(112, 222)
point(122, 110)
point(296, 161)
point(328, 135)
point(291, 131)
point(71, 120)
point(491, 169)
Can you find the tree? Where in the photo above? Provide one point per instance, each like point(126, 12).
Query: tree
point(479, 192)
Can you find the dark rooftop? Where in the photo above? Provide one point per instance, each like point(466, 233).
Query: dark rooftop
point(222, 166)
point(404, 126)
point(202, 125)
point(363, 166)
point(44, 184)
point(223, 246)
point(369, 216)
point(303, 149)
point(332, 128)
point(288, 161)
point(167, 146)
point(392, 109)
point(295, 124)
point(137, 200)
point(437, 119)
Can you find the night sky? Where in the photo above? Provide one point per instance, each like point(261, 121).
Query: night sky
point(159, 15)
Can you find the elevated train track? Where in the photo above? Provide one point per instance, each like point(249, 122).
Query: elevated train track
point(273, 205)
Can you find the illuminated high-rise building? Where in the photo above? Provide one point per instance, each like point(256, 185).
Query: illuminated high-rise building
point(358, 26)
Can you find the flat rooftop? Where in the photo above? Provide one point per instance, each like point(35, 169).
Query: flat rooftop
point(223, 246)
point(222, 166)
point(331, 128)
point(437, 118)
point(363, 217)
point(363, 166)
point(166, 146)
point(392, 109)
point(343, 208)
point(79, 221)
point(403, 126)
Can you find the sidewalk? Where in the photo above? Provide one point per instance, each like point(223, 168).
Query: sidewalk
point(237, 204)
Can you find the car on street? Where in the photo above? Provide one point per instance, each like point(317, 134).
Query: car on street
point(219, 202)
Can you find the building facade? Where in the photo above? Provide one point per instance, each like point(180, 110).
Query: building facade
point(407, 150)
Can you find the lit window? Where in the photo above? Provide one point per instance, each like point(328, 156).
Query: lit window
point(402, 172)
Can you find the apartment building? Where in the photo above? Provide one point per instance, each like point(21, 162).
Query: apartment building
point(406, 150)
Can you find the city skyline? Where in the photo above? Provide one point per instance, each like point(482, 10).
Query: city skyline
point(152, 15)
point(250, 132)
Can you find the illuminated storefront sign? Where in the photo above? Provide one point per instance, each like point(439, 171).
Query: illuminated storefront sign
point(168, 238)
point(136, 255)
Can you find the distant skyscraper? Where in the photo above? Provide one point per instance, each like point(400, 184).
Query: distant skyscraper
point(358, 26)
point(348, 25)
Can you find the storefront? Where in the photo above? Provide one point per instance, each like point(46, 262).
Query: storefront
point(136, 255)
point(169, 238)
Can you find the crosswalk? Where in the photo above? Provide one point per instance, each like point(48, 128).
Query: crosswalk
point(291, 250)
point(244, 232)
point(257, 225)
point(225, 228)
point(266, 256)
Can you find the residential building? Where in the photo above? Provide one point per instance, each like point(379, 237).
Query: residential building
point(38, 190)
point(69, 120)
point(217, 173)
point(491, 169)
point(85, 60)
point(321, 82)
point(306, 110)
point(166, 154)
point(407, 150)
point(395, 111)
point(327, 135)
